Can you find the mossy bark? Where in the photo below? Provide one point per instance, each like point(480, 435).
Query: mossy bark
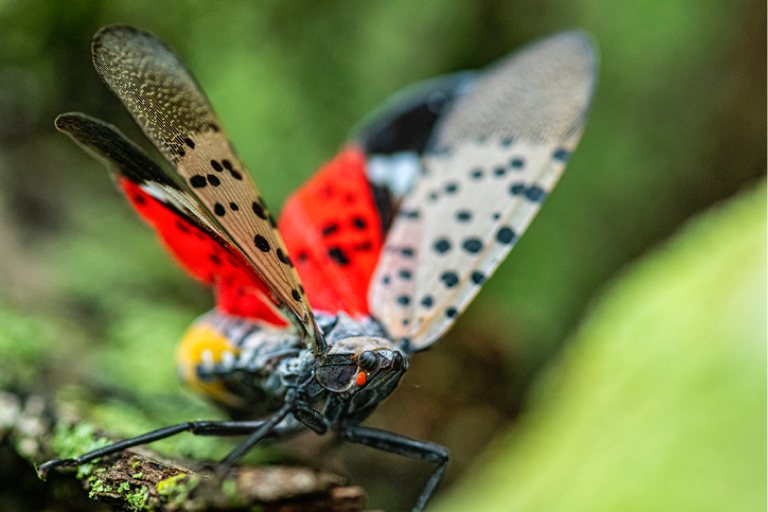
point(139, 479)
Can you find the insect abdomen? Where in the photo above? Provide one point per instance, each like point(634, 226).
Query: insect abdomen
point(236, 363)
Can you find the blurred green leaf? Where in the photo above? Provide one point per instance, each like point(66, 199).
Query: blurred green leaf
point(660, 401)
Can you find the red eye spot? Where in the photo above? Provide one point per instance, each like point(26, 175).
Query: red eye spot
point(361, 377)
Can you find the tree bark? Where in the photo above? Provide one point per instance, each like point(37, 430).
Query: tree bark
point(139, 479)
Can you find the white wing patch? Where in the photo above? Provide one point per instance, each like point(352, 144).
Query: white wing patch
point(496, 157)
point(395, 282)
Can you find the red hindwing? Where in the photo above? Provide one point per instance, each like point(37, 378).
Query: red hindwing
point(238, 290)
point(333, 232)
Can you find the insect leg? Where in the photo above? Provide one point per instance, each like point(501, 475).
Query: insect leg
point(200, 428)
point(401, 445)
point(311, 417)
point(264, 429)
point(306, 414)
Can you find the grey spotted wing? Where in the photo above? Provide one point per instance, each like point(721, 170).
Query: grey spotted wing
point(492, 161)
point(171, 109)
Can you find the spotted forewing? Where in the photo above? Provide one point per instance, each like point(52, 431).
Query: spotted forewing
point(489, 165)
point(171, 109)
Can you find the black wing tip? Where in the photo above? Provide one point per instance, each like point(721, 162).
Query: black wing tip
point(64, 122)
point(109, 145)
point(75, 122)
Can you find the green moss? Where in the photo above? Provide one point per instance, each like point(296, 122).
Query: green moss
point(71, 441)
point(137, 500)
point(98, 488)
point(176, 489)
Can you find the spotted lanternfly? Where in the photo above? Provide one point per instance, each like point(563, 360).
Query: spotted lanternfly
point(388, 242)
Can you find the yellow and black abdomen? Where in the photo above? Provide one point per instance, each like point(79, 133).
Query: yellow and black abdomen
point(237, 363)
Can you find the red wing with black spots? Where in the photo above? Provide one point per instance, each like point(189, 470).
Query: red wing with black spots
point(334, 232)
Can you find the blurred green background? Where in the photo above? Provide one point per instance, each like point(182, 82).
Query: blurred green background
point(587, 375)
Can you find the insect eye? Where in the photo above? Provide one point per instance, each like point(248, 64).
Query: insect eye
point(336, 373)
point(368, 361)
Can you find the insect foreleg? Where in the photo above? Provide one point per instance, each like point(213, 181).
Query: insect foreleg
point(200, 428)
point(266, 428)
point(311, 417)
point(401, 445)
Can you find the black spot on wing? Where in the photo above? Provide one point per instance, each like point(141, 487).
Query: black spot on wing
point(442, 245)
point(505, 235)
point(261, 243)
point(517, 189)
point(451, 187)
point(561, 155)
point(198, 181)
point(228, 166)
point(463, 216)
point(472, 245)
point(359, 223)
point(258, 209)
point(449, 279)
point(338, 255)
point(329, 229)
point(517, 163)
point(535, 194)
point(283, 257)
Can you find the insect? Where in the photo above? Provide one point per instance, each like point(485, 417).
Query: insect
point(372, 260)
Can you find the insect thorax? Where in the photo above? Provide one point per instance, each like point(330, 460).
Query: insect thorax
point(246, 366)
